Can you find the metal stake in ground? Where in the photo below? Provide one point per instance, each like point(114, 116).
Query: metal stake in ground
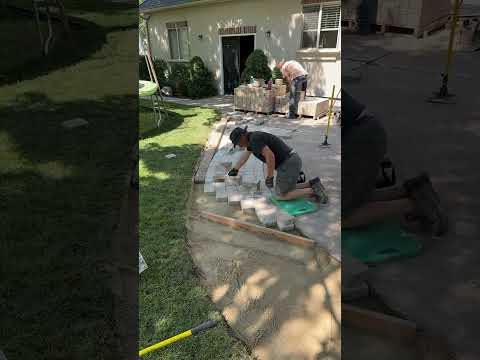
point(330, 111)
point(443, 96)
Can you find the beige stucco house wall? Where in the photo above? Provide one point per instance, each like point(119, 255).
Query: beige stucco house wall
point(283, 18)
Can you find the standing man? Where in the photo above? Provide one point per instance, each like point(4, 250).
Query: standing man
point(278, 156)
point(297, 77)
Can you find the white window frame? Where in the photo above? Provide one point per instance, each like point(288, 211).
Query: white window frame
point(176, 29)
point(319, 26)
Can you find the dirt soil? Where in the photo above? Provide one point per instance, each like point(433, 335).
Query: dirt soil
point(281, 300)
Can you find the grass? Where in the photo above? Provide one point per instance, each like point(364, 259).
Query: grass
point(92, 29)
point(58, 189)
point(171, 299)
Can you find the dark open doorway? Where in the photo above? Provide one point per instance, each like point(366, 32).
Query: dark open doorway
point(235, 53)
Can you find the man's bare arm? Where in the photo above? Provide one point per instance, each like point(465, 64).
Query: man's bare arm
point(270, 160)
point(243, 159)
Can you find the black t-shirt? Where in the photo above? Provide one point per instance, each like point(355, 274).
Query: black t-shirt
point(351, 111)
point(258, 140)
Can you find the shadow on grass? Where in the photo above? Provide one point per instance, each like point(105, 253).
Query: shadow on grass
point(88, 38)
point(59, 187)
point(148, 127)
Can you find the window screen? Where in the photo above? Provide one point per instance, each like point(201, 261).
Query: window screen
point(178, 40)
point(321, 26)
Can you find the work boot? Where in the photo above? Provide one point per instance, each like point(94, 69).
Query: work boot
point(319, 190)
point(423, 178)
point(427, 204)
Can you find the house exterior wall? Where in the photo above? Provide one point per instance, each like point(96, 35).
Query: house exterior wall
point(283, 18)
point(414, 14)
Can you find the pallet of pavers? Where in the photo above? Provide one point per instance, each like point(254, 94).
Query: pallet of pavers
point(254, 99)
point(281, 104)
point(279, 90)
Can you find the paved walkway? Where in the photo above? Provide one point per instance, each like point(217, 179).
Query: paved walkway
point(222, 103)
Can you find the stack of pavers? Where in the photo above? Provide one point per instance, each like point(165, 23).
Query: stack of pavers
point(281, 98)
point(253, 98)
point(247, 190)
point(315, 108)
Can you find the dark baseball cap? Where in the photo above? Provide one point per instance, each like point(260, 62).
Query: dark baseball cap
point(236, 134)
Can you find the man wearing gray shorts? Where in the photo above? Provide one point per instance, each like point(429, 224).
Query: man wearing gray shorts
point(278, 156)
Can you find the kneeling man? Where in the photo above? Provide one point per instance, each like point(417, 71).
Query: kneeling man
point(278, 156)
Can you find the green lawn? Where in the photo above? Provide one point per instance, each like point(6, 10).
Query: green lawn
point(171, 299)
point(58, 190)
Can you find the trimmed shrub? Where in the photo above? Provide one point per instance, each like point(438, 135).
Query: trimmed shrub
point(256, 66)
point(201, 83)
point(142, 68)
point(191, 79)
point(161, 69)
point(277, 74)
point(179, 78)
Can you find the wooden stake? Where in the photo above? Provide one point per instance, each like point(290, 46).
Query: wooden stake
point(256, 229)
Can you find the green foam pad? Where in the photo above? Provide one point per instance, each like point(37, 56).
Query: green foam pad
point(146, 88)
point(380, 242)
point(295, 207)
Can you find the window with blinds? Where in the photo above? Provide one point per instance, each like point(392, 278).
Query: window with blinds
point(178, 40)
point(321, 25)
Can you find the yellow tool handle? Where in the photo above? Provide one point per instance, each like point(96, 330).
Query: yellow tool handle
point(198, 329)
point(452, 35)
point(330, 109)
point(166, 342)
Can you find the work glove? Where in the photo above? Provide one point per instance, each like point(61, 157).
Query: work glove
point(269, 182)
point(233, 172)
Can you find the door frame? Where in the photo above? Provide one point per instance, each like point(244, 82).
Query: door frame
point(220, 51)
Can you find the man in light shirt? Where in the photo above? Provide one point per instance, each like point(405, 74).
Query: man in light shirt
point(297, 77)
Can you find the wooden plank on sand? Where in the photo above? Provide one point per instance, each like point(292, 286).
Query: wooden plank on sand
point(379, 323)
point(256, 229)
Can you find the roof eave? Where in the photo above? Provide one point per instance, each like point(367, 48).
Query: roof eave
point(191, 4)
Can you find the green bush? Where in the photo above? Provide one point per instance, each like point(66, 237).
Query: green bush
point(179, 78)
point(256, 66)
point(191, 79)
point(277, 74)
point(162, 71)
point(201, 83)
point(142, 68)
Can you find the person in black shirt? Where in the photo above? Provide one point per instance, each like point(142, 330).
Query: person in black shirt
point(278, 156)
point(364, 145)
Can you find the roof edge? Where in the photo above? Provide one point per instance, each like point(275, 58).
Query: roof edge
point(190, 4)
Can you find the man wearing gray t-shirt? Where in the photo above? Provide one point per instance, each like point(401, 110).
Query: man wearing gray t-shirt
point(279, 157)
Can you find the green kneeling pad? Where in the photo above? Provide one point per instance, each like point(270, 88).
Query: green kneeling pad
point(295, 207)
point(380, 242)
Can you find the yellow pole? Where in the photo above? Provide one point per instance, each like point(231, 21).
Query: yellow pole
point(166, 342)
point(452, 36)
point(443, 93)
point(330, 111)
